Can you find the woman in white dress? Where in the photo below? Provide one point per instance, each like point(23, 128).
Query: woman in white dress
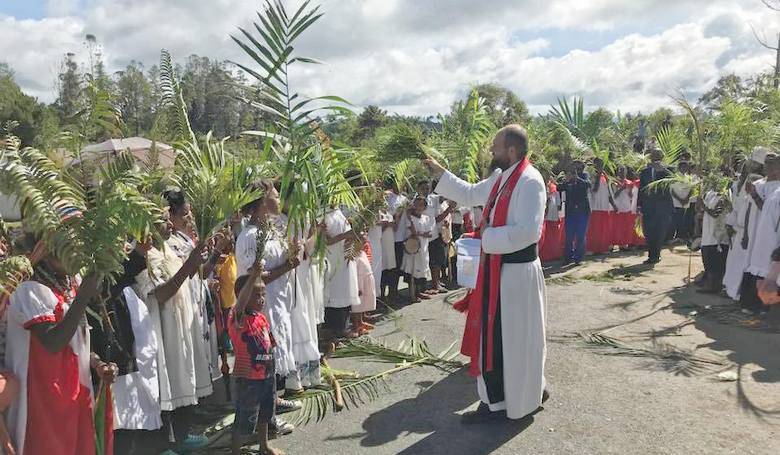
point(419, 226)
point(304, 323)
point(341, 280)
point(164, 287)
point(182, 245)
point(278, 265)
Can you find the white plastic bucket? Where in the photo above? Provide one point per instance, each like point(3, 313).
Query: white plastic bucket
point(468, 261)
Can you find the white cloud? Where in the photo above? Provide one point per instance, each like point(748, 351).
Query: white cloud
point(418, 57)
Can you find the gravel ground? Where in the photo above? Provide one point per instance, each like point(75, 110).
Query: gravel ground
point(702, 377)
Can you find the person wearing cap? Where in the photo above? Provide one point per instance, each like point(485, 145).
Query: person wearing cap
point(741, 222)
point(655, 205)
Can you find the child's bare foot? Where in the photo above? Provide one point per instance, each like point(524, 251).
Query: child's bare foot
point(271, 451)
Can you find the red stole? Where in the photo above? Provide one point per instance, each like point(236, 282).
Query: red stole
point(472, 303)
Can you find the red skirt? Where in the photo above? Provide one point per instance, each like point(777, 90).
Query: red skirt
point(624, 228)
point(600, 237)
point(551, 246)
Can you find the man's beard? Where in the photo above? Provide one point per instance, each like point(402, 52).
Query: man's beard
point(496, 164)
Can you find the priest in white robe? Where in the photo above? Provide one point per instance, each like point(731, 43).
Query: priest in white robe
point(509, 365)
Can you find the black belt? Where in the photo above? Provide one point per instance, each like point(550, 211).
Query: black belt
point(528, 254)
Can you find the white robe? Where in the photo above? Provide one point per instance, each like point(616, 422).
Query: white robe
point(341, 280)
point(377, 253)
point(418, 264)
point(137, 394)
point(278, 293)
point(767, 236)
point(173, 322)
point(523, 292)
point(736, 262)
point(204, 331)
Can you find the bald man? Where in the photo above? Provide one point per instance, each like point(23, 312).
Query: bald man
point(505, 325)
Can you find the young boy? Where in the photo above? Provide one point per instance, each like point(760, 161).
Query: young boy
point(254, 367)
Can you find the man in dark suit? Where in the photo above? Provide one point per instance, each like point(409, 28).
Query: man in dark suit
point(655, 205)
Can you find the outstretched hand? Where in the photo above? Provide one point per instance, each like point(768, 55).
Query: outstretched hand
point(434, 167)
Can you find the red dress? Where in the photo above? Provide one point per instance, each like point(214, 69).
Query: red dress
point(54, 413)
point(553, 235)
point(600, 235)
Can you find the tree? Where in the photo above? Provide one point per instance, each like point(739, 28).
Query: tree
point(729, 87)
point(368, 122)
point(598, 120)
point(18, 107)
point(68, 88)
point(503, 106)
point(773, 5)
point(134, 98)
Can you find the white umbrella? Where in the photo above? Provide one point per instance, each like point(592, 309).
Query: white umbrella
point(139, 147)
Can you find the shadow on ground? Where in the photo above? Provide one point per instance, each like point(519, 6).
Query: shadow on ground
point(434, 412)
point(745, 339)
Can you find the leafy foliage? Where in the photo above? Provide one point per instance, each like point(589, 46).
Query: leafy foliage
point(85, 227)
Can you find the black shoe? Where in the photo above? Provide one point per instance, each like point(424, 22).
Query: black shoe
point(652, 261)
point(483, 414)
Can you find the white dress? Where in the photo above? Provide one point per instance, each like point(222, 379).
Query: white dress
point(767, 236)
point(204, 333)
point(736, 259)
point(418, 264)
point(341, 281)
point(304, 327)
point(278, 293)
point(377, 252)
point(174, 323)
point(137, 394)
point(523, 291)
point(388, 244)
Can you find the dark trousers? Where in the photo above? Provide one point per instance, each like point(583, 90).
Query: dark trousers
point(682, 224)
point(655, 226)
point(748, 293)
point(397, 273)
point(576, 225)
point(714, 259)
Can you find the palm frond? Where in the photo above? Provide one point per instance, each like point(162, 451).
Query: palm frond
point(356, 390)
point(671, 358)
point(13, 271)
point(671, 142)
point(214, 183)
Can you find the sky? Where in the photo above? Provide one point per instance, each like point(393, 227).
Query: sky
point(417, 57)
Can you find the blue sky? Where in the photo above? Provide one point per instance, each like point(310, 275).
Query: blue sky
point(417, 57)
point(23, 9)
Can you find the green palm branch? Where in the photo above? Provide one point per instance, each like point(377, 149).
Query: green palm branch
point(671, 142)
point(13, 271)
point(465, 137)
point(214, 182)
point(571, 119)
point(356, 390)
point(312, 173)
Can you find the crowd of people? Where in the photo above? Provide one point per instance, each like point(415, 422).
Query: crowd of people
point(259, 291)
point(734, 226)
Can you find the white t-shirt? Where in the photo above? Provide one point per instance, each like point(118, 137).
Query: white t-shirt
point(433, 210)
point(713, 229)
point(394, 202)
point(682, 190)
